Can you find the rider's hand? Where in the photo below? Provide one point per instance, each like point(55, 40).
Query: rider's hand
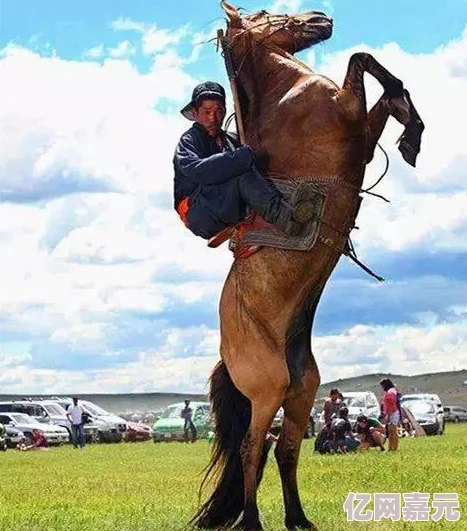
point(261, 159)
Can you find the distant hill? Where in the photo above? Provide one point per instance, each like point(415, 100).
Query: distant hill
point(448, 385)
point(124, 403)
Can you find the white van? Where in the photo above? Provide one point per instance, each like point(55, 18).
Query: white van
point(358, 403)
point(361, 403)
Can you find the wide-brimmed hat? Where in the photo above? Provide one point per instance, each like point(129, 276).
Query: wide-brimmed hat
point(207, 90)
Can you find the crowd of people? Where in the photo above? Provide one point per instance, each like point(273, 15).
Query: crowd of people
point(339, 436)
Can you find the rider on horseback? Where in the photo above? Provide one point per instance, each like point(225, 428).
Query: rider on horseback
point(216, 180)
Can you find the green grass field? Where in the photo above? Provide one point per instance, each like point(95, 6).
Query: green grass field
point(143, 486)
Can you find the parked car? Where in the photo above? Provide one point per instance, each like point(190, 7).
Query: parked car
point(455, 413)
point(361, 403)
point(277, 421)
point(279, 418)
point(169, 427)
point(111, 428)
point(428, 413)
point(25, 423)
point(3, 444)
point(48, 411)
point(137, 431)
point(13, 436)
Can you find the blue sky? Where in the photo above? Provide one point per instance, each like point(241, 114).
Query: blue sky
point(104, 290)
point(71, 27)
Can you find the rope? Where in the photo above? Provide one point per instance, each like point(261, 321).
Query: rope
point(367, 190)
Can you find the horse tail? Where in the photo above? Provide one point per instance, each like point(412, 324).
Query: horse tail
point(232, 416)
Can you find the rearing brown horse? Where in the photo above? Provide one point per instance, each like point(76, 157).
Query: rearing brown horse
point(313, 130)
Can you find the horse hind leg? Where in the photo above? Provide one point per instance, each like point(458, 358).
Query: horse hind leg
point(239, 454)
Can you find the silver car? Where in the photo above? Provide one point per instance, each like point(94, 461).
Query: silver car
point(25, 423)
point(428, 411)
point(47, 411)
point(455, 413)
point(13, 436)
point(111, 428)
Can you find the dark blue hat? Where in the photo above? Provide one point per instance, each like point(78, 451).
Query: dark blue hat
point(209, 90)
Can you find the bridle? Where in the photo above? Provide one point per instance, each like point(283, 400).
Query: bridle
point(283, 24)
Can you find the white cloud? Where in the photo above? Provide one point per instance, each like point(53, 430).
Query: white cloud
point(77, 130)
point(156, 40)
point(403, 349)
point(185, 360)
point(123, 49)
point(96, 52)
point(153, 39)
point(285, 6)
point(104, 243)
point(127, 24)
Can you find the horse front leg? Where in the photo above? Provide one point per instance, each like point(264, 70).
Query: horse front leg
point(376, 122)
point(398, 100)
point(263, 409)
point(296, 418)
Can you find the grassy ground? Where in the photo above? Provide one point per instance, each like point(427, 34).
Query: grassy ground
point(136, 487)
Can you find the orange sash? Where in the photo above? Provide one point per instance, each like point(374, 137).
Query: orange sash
point(182, 210)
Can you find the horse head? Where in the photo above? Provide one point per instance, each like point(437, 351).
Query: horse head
point(291, 33)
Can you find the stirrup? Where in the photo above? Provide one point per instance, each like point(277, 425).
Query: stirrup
point(221, 237)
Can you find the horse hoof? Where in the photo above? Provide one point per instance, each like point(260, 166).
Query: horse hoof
point(241, 526)
point(408, 153)
point(302, 525)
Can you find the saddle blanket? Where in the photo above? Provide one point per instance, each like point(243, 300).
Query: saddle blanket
point(254, 233)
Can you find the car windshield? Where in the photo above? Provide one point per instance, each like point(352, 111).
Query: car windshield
point(94, 410)
point(172, 413)
point(420, 407)
point(420, 397)
point(20, 418)
point(354, 401)
point(55, 409)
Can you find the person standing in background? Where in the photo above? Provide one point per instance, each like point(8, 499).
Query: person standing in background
point(332, 406)
point(75, 415)
point(187, 416)
point(391, 412)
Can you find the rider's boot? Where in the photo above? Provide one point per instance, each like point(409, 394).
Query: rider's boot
point(292, 218)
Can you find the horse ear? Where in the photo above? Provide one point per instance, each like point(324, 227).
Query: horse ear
point(232, 13)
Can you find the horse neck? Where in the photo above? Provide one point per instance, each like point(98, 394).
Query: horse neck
point(266, 73)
